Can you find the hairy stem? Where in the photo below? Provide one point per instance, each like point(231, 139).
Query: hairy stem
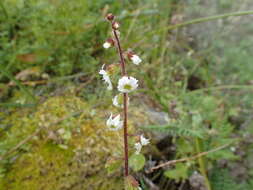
point(123, 73)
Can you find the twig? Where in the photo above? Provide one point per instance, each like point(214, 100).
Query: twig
point(172, 162)
point(34, 134)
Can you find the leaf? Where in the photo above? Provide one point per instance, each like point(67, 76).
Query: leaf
point(179, 172)
point(137, 162)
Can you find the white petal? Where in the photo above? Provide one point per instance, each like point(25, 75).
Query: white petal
point(136, 59)
point(116, 119)
point(106, 78)
point(131, 82)
point(115, 101)
point(144, 141)
point(138, 147)
point(114, 124)
point(109, 121)
point(106, 45)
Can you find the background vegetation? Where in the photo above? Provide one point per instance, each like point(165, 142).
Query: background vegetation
point(196, 76)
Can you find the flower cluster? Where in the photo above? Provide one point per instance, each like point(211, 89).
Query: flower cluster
point(126, 84)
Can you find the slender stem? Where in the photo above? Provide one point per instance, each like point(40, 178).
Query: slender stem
point(123, 73)
point(122, 61)
point(223, 87)
point(200, 20)
point(125, 134)
point(211, 18)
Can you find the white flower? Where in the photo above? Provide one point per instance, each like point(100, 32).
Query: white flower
point(106, 45)
point(114, 124)
point(136, 59)
point(233, 149)
point(106, 78)
point(118, 101)
point(144, 141)
point(138, 147)
point(127, 84)
point(139, 188)
point(115, 25)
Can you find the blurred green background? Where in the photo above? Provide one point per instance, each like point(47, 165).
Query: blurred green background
point(199, 75)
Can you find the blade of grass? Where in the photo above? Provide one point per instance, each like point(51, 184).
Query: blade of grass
point(201, 20)
point(211, 18)
point(221, 88)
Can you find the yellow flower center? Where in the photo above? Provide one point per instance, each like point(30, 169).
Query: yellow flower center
point(127, 87)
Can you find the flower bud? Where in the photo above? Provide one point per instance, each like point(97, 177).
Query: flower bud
point(108, 43)
point(110, 17)
point(134, 58)
point(115, 25)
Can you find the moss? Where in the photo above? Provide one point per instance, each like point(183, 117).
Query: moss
point(68, 155)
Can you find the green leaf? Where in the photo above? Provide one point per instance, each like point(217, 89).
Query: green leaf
point(179, 172)
point(137, 162)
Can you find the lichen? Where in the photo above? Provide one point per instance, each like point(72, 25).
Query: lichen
point(68, 155)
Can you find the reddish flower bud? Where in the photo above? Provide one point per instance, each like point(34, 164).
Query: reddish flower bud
point(108, 43)
point(110, 17)
point(130, 54)
point(115, 25)
point(134, 58)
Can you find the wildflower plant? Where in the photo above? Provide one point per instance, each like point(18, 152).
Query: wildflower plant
point(125, 85)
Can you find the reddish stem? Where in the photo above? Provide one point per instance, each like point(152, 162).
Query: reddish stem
point(123, 73)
